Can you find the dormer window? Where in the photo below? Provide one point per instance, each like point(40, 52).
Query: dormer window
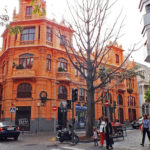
point(28, 10)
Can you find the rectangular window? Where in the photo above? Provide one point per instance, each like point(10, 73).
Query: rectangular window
point(76, 72)
point(28, 10)
point(49, 34)
point(28, 34)
point(117, 58)
point(63, 40)
point(39, 33)
point(148, 8)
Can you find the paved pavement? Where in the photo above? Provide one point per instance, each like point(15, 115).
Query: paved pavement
point(44, 142)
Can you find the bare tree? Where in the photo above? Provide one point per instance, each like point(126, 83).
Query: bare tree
point(93, 48)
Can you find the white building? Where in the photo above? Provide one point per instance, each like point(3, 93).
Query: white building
point(144, 7)
point(142, 88)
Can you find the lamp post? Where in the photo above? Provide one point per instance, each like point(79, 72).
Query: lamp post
point(55, 83)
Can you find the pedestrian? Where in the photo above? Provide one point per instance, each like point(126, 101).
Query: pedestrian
point(101, 131)
point(99, 123)
point(108, 134)
point(149, 130)
point(145, 124)
point(95, 136)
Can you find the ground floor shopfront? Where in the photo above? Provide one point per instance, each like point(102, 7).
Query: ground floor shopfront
point(23, 106)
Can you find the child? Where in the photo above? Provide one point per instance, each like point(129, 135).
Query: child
point(95, 136)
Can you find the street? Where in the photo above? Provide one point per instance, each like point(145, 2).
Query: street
point(44, 142)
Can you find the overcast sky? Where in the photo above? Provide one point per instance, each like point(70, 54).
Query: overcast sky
point(132, 29)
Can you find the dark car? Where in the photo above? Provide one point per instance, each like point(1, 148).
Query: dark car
point(7, 130)
point(137, 123)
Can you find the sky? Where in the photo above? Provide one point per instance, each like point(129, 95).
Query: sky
point(132, 25)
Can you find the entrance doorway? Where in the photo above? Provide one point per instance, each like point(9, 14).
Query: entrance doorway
point(62, 117)
point(120, 115)
point(23, 116)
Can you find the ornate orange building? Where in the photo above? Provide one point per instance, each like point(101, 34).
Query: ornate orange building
point(34, 61)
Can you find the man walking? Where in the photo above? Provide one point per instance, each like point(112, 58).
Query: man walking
point(145, 124)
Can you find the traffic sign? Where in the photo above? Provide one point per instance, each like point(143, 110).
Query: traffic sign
point(12, 110)
point(54, 108)
point(107, 103)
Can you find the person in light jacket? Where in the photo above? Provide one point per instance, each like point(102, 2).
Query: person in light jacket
point(101, 131)
point(145, 124)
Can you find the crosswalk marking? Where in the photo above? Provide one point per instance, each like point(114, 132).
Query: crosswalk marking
point(72, 148)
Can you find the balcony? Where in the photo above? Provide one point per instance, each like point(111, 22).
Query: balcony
point(63, 76)
point(26, 42)
point(121, 87)
point(23, 73)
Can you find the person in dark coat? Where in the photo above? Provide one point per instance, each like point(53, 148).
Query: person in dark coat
point(108, 134)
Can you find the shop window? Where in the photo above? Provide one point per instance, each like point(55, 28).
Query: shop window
point(49, 34)
point(24, 90)
point(28, 10)
point(26, 61)
point(62, 65)
point(62, 92)
point(48, 62)
point(28, 34)
point(81, 94)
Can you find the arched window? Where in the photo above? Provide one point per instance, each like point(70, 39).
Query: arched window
point(26, 60)
point(48, 62)
point(62, 92)
point(3, 67)
point(24, 90)
point(62, 65)
point(120, 100)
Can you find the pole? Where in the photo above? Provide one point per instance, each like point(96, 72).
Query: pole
point(55, 105)
point(72, 122)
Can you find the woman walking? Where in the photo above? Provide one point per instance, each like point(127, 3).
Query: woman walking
point(145, 124)
point(108, 134)
point(101, 130)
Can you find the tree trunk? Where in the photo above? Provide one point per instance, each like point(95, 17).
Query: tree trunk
point(90, 120)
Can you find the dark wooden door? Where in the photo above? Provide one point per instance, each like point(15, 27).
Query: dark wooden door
point(62, 117)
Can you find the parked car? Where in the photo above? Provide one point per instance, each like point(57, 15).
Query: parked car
point(7, 130)
point(136, 124)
